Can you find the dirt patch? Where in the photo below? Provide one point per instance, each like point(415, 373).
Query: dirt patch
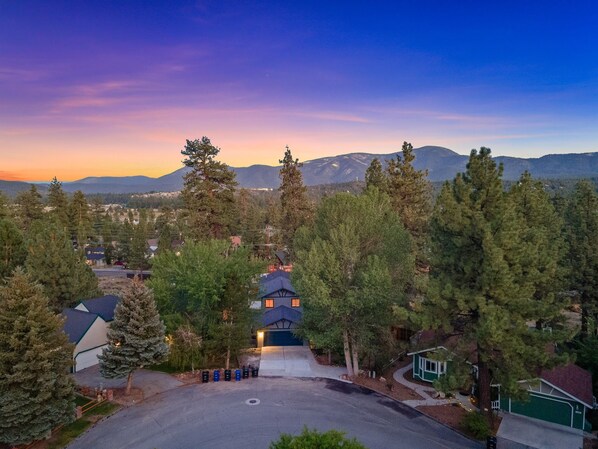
point(135, 396)
point(451, 415)
point(395, 390)
point(590, 443)
point(251, 357)
point(113, 285)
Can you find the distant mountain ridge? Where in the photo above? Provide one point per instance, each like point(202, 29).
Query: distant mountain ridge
point(442, 164)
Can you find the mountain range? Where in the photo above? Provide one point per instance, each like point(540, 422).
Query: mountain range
point(441, 163)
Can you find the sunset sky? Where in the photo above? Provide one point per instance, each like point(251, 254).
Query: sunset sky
point(92, 88)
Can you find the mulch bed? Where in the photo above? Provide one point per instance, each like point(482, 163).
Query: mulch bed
point(399, 392)
point(135, 396)
point(451, 415)
point(590, 444)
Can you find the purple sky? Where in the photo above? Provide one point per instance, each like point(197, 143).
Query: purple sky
point(114, 88)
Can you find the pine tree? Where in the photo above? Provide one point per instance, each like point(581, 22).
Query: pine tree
point(80, 219)
point(208, 192)
point(12, 248)
point(36, 391)
point(375, 176)
point(59, 202)
point(4, 208)
point(295, 206)
point(125, 237)
point(478, 287)
point(135, 337)
point(138, 259)
point(62, 271)
point(30, 206)
point(411, 196)
point(582, 234)
point(544, 247)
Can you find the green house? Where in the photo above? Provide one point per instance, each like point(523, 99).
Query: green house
point(426, 365)
point(561, 396)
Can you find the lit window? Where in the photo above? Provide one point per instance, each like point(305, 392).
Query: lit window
point(295, 302)
point(269, 303)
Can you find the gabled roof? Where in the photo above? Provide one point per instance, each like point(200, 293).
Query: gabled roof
point(103, 306)
point(281, 256)
point(573, 380)
point(275, 274)
point(269, 287)
point(77, 323)
point(280, 313)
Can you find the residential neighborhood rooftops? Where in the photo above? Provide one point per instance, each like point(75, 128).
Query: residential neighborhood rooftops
point(103, 306)
point(280, 313)
point(573, 380)
point(94, 253)
point(77, 323)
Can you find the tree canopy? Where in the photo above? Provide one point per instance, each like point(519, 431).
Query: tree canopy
point(352, 269)
point(36, 391)
point(208, 191)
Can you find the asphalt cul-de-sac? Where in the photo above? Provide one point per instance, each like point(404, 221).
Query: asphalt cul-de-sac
point(222, 416)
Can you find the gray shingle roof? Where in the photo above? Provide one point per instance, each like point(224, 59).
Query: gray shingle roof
point(77, 323)
point(280, 313)
point(103, 306)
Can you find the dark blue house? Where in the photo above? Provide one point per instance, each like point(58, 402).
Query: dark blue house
point(281, 311)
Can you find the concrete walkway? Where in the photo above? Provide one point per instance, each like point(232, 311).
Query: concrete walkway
point(295, 361)
point(520, 432)
point(399, 376)
point(150, 382)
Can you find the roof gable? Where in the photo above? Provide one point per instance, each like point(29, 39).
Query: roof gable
point(573, 380)
point(103, 306)
point(269, 287)
point(77, 323)
point(280, 313)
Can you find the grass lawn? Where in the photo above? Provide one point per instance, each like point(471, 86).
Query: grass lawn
point(71, 431)
point(80, 401)
point(164, 368)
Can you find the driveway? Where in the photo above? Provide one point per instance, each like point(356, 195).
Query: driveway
point(295, 361)
point(150, 382)
point(222, 416)
point(520, 432)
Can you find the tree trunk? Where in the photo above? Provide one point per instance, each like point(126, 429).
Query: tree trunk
point(584, 319)
point(484, 380)
point(347, 350)
point(227, 363)
point(129, 383)
point(329, 357)
point(355, 357)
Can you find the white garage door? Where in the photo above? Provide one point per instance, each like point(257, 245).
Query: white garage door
point(87, 358)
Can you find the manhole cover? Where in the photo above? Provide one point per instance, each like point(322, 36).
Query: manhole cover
point(252, 401)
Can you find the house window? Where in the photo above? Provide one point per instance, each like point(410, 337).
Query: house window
point(441, 367)
point(269, 303)
point(295, 302)
point(430, 366)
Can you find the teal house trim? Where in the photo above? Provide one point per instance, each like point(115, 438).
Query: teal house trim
point(426, 368)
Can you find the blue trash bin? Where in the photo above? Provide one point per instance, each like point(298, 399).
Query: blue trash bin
point(238, 375)
point(216, 375)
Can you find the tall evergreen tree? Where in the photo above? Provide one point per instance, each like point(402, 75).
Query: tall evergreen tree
point(582, 234)
point(80, 219)
point(30, 206)
point(411, 196)
point(295, 206)
point(208, 191)
point(12, 248)
point(544, 247)
point(375, 176)
point(125, 237)
point(351, 271)
point(4, 206)
point(138, 259)
point(135, 337)
point(62, 272)
point(59, 202)
point(478, 287)
point(36, 391)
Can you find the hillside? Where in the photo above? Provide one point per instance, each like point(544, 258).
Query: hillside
point(442, 164)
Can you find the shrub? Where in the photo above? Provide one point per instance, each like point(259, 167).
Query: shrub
point(476, 424)
point(312, 439)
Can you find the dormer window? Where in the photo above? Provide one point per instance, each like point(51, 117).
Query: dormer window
point(269, 303)
point(295, 302)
